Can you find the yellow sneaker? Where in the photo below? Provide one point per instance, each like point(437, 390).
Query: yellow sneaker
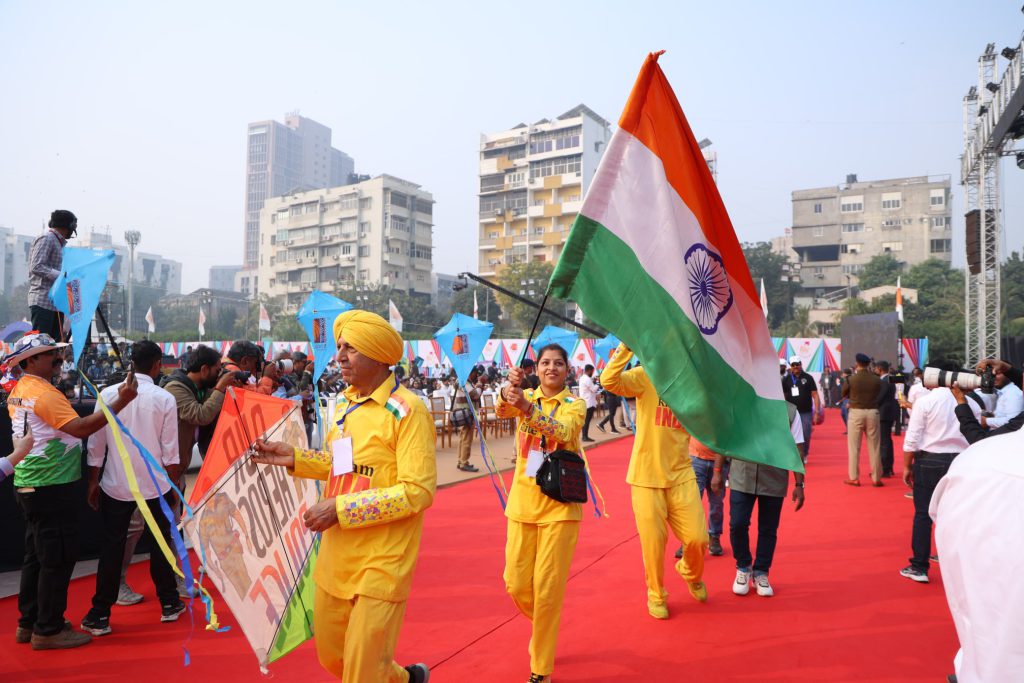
point(698, 590)
point(658, 610)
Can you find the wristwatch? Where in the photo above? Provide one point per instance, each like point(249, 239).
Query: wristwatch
point(799, 484)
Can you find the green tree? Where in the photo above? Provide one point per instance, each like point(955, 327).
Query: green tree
point(939, 311)
point(487, 302)
point(529, 280)
point(1013, 295)
point(801, 325)
point(769, 266)
point(880, 270)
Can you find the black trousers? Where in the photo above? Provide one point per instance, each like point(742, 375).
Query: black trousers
point(586, 423)
point(611, 407)
point(115, 516)
point(51, 550)
point(45, 320)
point(928, 468)
point(885, 452)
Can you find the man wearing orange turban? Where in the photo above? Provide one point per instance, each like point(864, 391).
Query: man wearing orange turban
point(379, 464)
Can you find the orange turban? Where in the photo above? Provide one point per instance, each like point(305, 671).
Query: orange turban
point(370, 335)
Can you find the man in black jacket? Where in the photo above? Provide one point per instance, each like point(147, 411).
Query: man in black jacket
point(888, 413)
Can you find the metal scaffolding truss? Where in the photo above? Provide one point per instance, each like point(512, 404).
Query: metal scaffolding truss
point(992, 122)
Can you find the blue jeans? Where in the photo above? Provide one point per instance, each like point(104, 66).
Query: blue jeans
point(704, 469)
point(741, 508)
point(844, 409)
point(807, 420)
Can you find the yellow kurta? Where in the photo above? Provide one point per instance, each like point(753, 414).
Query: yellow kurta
point(526, 503)
point(372, 551)
point(660, 456)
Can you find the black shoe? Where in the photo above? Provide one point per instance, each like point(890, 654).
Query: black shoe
point(679, 553)
point(172, 612)
point(418, 673)
point(600, 428)
point(587, 439)
point(616, 431)
point(95, 624)
point(715, 547)
point(467, 468)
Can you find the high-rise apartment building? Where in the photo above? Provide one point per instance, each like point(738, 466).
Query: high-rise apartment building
point(283, 158)
point(532, 182)
point(14, 251)
point(838, 229)
point(378, 231)
point(223, 277)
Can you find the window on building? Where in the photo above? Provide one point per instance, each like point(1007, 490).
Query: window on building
point(892, 224)
point(851, 207)
point(819, 231)
point(817, 208)
point(853, 227)
point(558, 166)
point(399, 199)
point(296, 210)
point(892, 200)
point(364, 229)
point(943, 246)
point(853, 268)
point(937, 198)
point(850, 248)
point(417, 251)
point(346, 249)
point(941, 222)
point(892, 246)
point(492, 235)
point(366, 203)
point(399, 223)
point(364, 250)
point(310, 207)
point(538, 231)
point(347, 203)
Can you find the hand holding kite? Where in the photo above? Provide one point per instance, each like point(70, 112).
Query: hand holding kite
point(129, 389)
point(274, 453)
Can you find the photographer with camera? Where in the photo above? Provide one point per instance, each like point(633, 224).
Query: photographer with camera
point(992, 373)
point(246, 361)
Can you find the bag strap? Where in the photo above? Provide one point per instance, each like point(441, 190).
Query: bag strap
point(543, 437)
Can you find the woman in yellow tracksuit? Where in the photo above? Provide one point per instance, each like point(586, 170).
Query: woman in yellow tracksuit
point(542, 532)
point(663, 485)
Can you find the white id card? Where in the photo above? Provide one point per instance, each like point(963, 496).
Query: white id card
point(794, 391)
point(341, 452)
point(533, 462)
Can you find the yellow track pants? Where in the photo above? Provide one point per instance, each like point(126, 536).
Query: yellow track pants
point(355, 639)
point(681, 509)
point(537, 560)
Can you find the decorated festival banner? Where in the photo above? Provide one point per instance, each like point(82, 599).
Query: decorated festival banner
point(76, 291)
point(248, 518)
point(492, 350)
point(681, 296)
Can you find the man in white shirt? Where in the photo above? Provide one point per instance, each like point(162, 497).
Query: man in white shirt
point(153, 419)
point(933, 439)
point(976, 508)
point(589, 393)
point(1009, 404)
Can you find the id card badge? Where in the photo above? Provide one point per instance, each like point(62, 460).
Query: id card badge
point(341, 456)
point(794, 391)
point(533, 462)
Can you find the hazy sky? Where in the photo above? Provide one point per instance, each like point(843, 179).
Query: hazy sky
point(134, 114)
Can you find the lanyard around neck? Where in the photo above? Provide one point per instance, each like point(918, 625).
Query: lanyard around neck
point(356, 406)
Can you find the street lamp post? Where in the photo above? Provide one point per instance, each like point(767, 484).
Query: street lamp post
point(132, 238)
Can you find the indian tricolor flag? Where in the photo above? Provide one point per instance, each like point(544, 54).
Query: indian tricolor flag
point(653, 258)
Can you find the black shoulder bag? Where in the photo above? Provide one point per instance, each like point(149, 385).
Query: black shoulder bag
point(563, 474)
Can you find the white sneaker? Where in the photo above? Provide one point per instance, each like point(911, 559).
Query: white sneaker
point(764, 589)
point(741, 586)
point(126, 596)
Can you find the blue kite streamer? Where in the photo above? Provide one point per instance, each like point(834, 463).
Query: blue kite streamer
point(76, 291)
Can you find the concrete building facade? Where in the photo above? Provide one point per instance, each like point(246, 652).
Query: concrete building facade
point(532, 183)
point(379, 231)
point(838, 229)
point(151, 270)
point(223, 277)
point(442, 290)
point(283, 158)
point(14, 251)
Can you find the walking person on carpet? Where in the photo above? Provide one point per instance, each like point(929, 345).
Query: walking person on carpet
point(542, 532)
point(663, 486)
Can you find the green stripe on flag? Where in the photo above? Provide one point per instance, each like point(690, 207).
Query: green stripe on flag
point(718, 406)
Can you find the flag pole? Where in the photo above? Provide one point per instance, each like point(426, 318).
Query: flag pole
point(532, 304)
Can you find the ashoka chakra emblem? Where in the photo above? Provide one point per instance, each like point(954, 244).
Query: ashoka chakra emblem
point(710, 294)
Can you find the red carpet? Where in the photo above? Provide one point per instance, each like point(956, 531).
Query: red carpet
point(841, 611)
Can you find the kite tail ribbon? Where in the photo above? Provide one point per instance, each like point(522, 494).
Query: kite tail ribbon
point(118, 429)
point(489, 463)
point(595, 492)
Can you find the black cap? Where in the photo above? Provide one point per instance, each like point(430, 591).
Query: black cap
point(863, 359)
point(62, 218)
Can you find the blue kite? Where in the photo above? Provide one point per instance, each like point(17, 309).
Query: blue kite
point(462, 340)
point(317, 316)
point(556, 335)
point(604, 347)
point(76, 291)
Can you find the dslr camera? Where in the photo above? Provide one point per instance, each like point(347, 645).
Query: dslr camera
point(966, 380)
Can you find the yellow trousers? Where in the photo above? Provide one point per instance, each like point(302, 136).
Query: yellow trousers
point(680, 508)
point(355, 639)
point(537, 559)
